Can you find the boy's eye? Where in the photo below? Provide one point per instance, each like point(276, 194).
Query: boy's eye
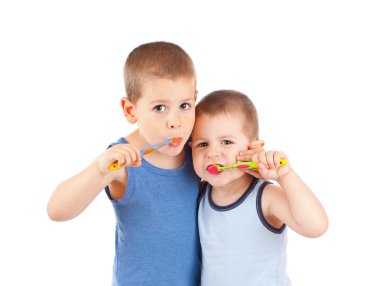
point(227, 142)
point(202, 144)
point(185, 106)
point(160, 108)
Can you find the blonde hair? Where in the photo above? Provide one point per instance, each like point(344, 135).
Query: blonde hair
point(155, 60)
point(231, 102)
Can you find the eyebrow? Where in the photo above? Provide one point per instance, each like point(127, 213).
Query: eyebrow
point(166, 100)
point(224, 137)
point(227, 137)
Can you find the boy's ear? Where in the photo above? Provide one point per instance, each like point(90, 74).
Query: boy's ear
point(129, 110)
point(257, 144)
point(196, 95)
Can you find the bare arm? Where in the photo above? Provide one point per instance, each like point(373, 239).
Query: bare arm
point(73, 195)
point(293, 203)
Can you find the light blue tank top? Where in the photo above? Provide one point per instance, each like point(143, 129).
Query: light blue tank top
point(239, 247)
point(157, 241)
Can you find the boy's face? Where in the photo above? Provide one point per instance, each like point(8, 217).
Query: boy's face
point(166, 110)
point(218, 139)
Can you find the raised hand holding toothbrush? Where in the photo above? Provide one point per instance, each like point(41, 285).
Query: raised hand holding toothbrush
point(272, 165)
point(118, 156)
point(134, 158)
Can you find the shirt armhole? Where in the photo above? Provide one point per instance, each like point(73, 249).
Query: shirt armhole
point(107, 189)
point(261, 214)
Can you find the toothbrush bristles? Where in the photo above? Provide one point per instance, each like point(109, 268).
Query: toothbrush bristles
point(213, 169)
point(176, 140)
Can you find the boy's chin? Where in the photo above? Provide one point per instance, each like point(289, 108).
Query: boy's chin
point(173, 152)
point(220, 181)
point(215, 182)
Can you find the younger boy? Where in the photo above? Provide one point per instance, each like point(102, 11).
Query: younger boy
point(157, 240)
point(242, 219)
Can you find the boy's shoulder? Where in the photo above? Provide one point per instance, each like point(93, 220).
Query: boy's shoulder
point(121, 140)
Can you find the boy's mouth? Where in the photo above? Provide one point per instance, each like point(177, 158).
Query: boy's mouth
point(213, 170)
point(175, 144)
point(176, 141)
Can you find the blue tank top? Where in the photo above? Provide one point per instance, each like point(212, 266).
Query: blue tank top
point(157, 241)
point(239, 247)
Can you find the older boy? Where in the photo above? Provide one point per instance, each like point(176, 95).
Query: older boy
point(157, 241)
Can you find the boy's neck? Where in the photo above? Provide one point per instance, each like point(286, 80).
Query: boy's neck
point(156, 158)
point(230, 193)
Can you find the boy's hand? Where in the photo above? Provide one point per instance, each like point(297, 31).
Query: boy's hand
point(269, 162)
point(269, 165)
point(246, 155)
point(124, 154)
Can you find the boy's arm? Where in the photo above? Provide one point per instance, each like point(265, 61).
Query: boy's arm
point(73, 195)
point(293, 203)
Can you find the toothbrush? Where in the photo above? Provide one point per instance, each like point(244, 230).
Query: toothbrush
point(151, 148)
point(145, 151)
point(213, 169)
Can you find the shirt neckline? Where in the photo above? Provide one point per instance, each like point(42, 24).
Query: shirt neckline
point(235, 204)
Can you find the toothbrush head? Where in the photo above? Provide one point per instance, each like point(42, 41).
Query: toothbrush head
point(213, 169)
point(176, 140)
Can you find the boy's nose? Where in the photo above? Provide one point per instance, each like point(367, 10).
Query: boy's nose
point(213, 152)
point(174, 121)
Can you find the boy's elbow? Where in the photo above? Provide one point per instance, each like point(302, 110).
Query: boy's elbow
point(54, 214)
point(318, 229)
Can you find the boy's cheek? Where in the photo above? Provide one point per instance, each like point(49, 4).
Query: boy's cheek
point(197, 166)
point(197, 159)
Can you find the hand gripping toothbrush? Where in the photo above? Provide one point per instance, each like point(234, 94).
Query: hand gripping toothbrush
point(149, 149)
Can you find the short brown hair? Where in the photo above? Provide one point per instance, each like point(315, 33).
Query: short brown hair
point(155, 60)
point(231, 101)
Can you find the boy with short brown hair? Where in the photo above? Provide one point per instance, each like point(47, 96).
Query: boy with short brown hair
point(157, 240)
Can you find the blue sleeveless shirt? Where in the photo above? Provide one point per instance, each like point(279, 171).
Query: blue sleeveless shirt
point(157, 241)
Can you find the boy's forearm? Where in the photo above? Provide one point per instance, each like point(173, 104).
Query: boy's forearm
point(72, 196)
point(304, 205)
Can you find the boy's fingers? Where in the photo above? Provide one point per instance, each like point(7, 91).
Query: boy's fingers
point(118, 156)
point(244, 158)
point(249, 152)
point(136, 164)
point(263, 159)
point(270, 159)
point(263, 170)
point(278, 155)
point(258, 144)
point(132, 152)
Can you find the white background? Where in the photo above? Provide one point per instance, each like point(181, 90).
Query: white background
point(311, 67)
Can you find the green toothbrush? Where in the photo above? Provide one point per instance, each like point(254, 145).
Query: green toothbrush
point(213, 169)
